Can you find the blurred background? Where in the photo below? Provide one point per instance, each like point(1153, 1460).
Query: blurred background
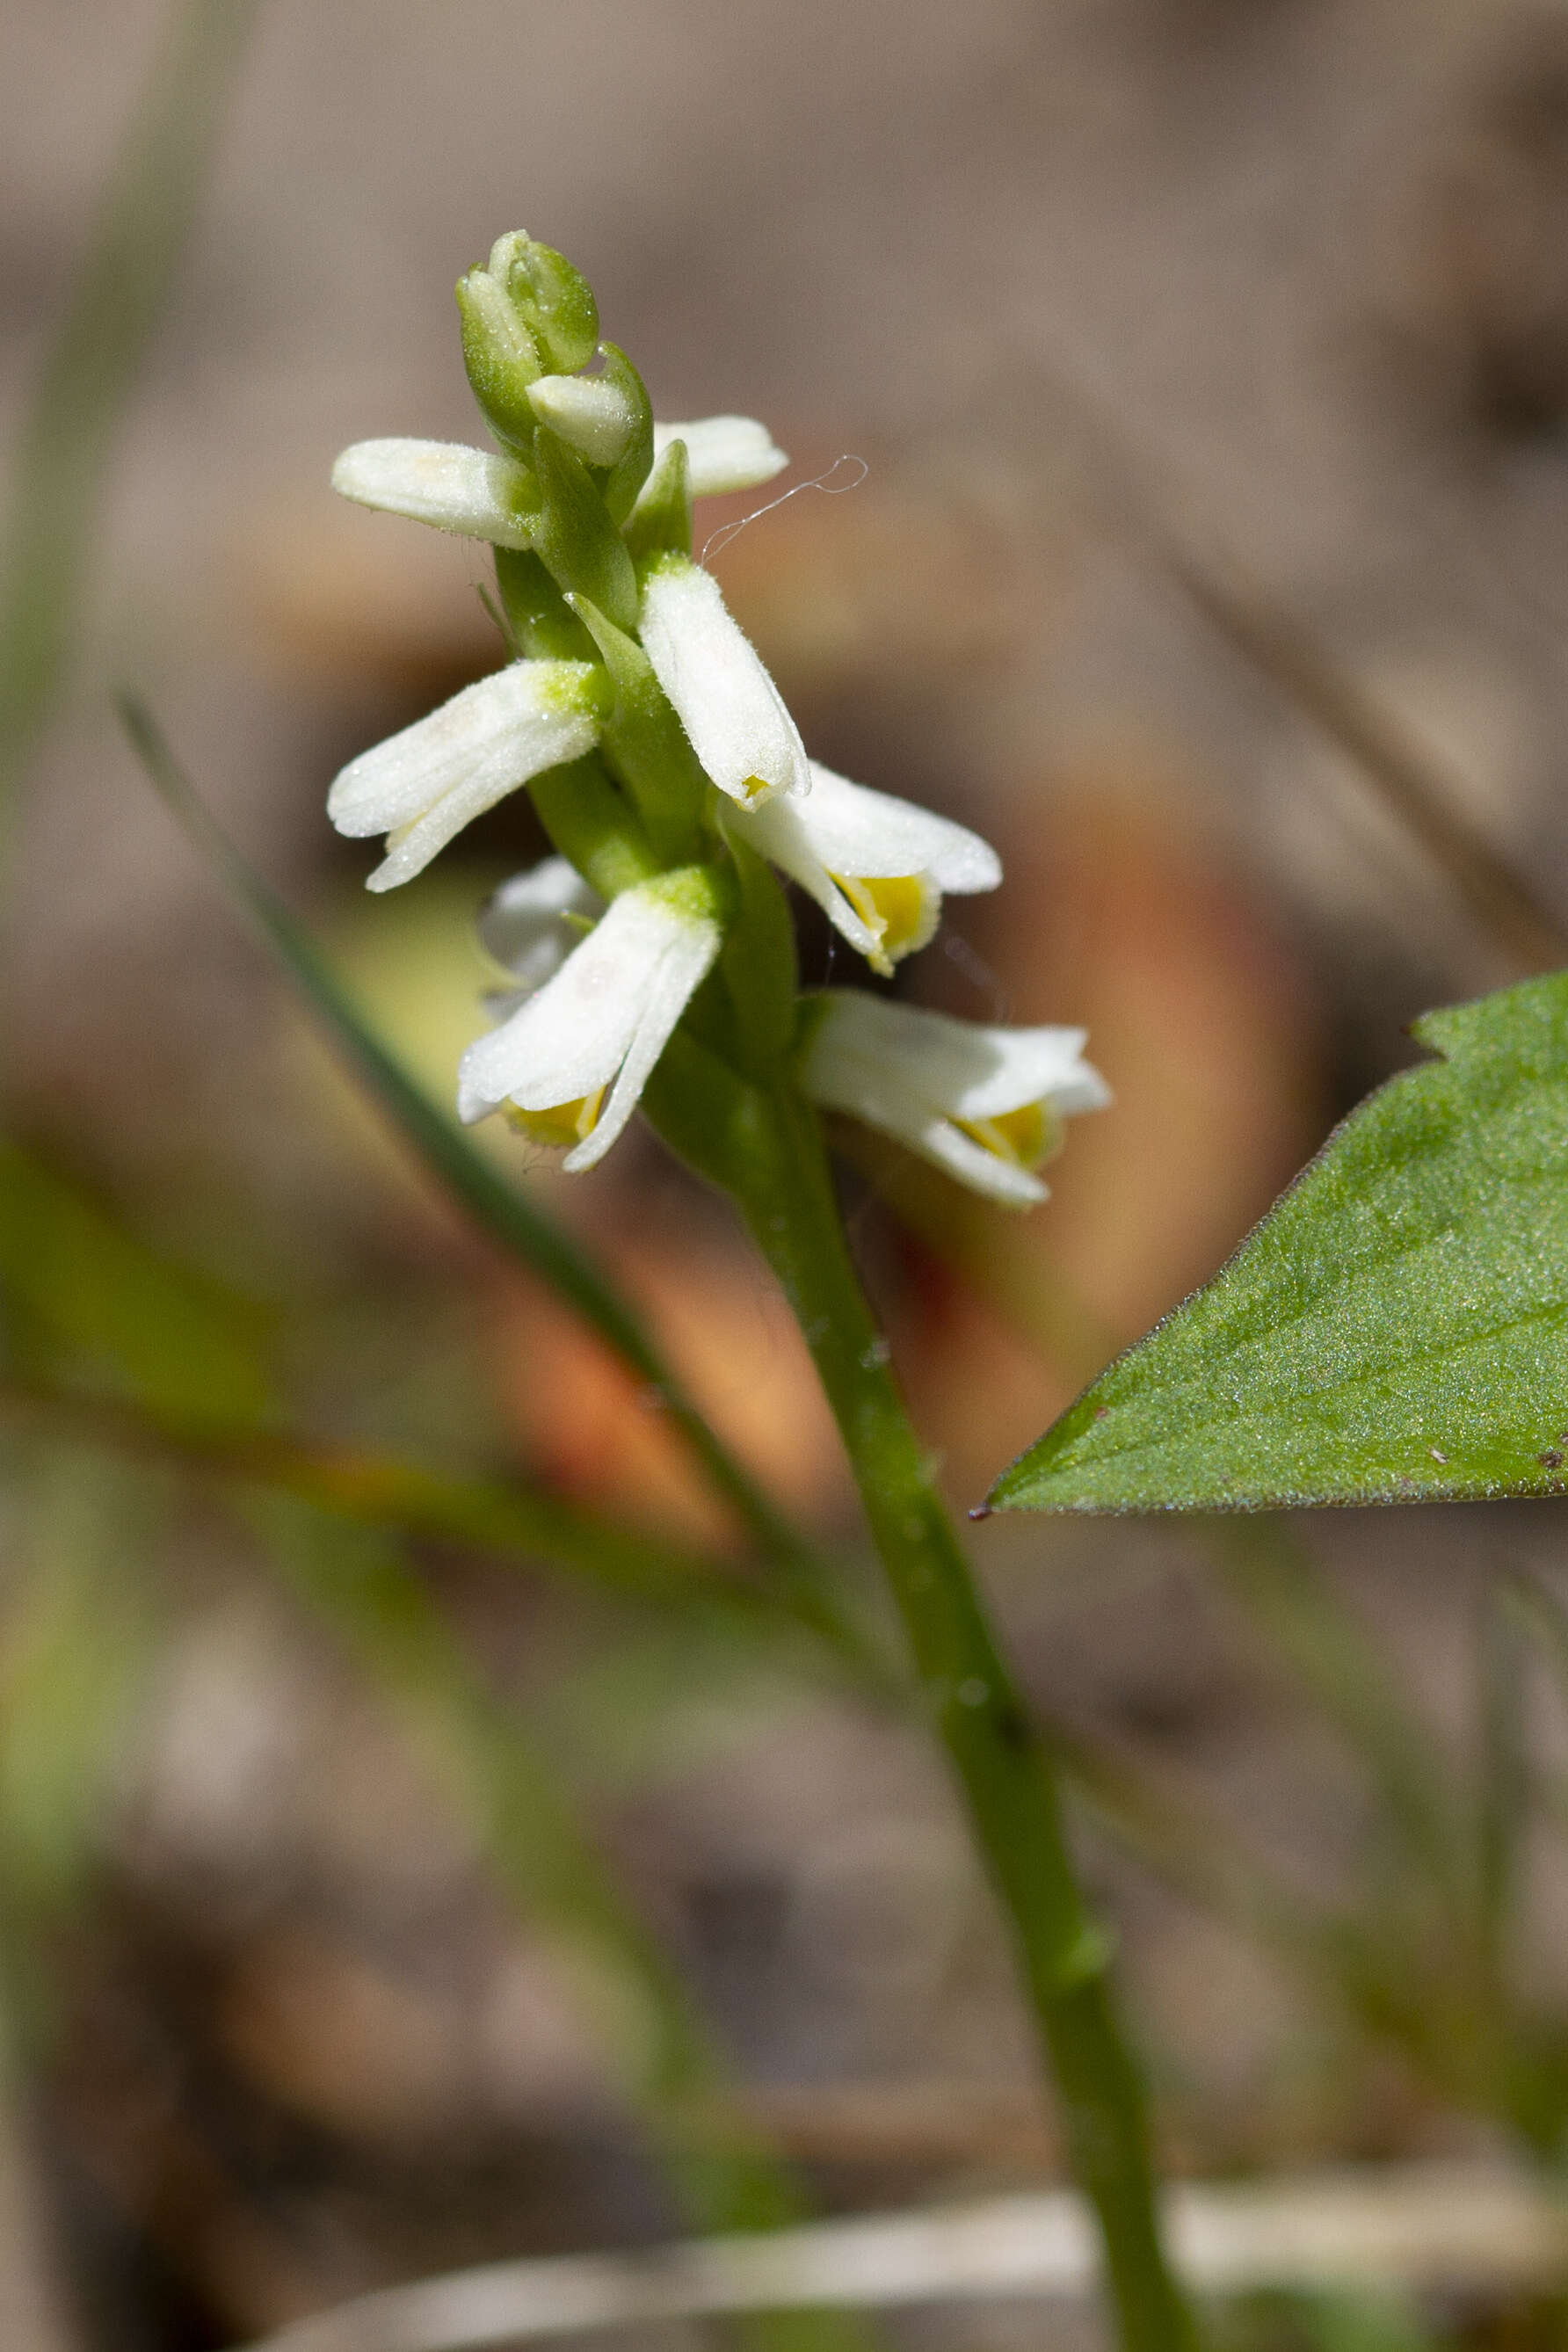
point(1209, 360)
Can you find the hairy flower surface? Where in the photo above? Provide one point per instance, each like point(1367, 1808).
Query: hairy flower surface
point(985, 1104)
point(724, 453)
point(472, 491)
point(876, 865)
point(733, 714)
point(571, 1063)
point(421, 787)
point(483, 494)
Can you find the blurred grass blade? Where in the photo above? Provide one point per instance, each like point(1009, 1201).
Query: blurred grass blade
point(62, 454)
point(78, 1641)
point(77, 1287)
point(1334, 1658)
point(464, 1174)
point(508, 1520)
point(1503, 1792)
point(484, 1758)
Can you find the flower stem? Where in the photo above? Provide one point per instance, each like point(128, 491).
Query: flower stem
point(1009, 1782)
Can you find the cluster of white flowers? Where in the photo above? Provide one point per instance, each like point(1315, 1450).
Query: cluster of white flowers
point(595, 991)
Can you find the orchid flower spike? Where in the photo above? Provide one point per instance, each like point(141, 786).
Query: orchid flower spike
point(984, 1104)
point(569, 1065)
point(530, 925)
point(421, 787)
point(876, 865)
point(733, 714)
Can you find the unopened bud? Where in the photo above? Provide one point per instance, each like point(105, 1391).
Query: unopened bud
point(556, 300)
point(501, 356)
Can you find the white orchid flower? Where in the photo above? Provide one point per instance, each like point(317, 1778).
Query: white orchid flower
point(570, 1065)
point(732, 713)
point(472, 491)
point(530, 925)
point(723, 452)
point(876, 865)
point(984, 1104)
point(421, 787)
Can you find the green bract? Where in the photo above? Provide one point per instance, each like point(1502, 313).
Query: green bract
point(1395, 1329)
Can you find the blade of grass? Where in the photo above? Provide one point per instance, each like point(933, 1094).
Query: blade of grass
point(1504, 1772)
point(507, 1519)
point(121, 286)
point(484, 1756)
point(1141, 500)
point(497, 1207)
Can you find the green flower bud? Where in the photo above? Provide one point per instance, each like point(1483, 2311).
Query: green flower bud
point(526, 313)
point(501, 356)
point(556, 300)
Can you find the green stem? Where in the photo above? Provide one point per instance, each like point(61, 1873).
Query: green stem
point(1007, 1778)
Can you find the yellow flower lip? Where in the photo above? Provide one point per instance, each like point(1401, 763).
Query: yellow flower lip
point(563, 1125)
point(895, 907)
point(1024, 1138)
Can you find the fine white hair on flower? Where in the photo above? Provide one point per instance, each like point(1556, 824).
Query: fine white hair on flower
point(421, 787)
point(472, 491)
point(984, 1103)
point(732, 713)
point(601, 1023)
point(723, 452)
point(876, 865)
point(530, 925)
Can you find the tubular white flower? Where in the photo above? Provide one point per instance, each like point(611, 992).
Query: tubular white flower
point(442, 482)
point(732, 713)
point(723, 452)
point(876, 865)
point(601, 1023)
point(984, 1104)
point(589, 410)
point(423, 786)
point(530, 925)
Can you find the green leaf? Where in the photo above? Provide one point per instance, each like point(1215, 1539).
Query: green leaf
point(1394, 1331)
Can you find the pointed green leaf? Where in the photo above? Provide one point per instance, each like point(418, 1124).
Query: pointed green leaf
point(1395, 1329)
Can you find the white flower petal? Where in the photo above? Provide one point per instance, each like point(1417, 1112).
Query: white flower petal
point(665, 998)
point(723, 452)
point(965, 1068)
point(522, 924)
point(846, 833)
point(948, 1148)
point(916, 1074)
point(732, 713)
point(589, 412)
point(775, 830)
point(613, 1003)
point(442, 482)
point(424, 786)
point(854, 830)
